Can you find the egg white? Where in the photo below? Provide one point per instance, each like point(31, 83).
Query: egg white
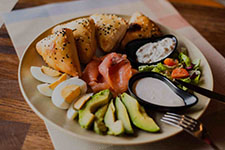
point(44, 89)
point(72, 113)
point(40, 76)
point(57, 98)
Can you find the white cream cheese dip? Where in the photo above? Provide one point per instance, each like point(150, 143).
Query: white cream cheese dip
point(156, 92)
point(152, 52)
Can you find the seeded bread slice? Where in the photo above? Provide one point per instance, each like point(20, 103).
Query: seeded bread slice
point(59, 52)
point(84, 36)
point(140, 27)
point(110, 30)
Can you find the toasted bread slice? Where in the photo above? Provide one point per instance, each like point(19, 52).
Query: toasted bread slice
point(84, 35)
point(140, 27)
point(59, 52)
point(110, 30)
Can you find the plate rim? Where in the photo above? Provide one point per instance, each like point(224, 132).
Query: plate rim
point(45, 119)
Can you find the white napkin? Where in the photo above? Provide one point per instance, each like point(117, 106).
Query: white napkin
point(6, 6)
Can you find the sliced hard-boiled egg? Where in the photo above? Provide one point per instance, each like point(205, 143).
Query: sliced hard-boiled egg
point(50, 72)
point(72, 113)
point(60, 80)
point(82, 100)
point(60, 99)
point(40, 76)
point(44, 89)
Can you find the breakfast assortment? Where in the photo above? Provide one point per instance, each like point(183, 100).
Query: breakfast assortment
point(93, 88)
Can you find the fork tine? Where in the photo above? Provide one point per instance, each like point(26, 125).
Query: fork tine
point(186, 123)
point(171, 123)
point(179, 123)
point(187, 118)
point(180, 119)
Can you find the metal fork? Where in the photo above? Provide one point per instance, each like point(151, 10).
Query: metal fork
point(190, 125)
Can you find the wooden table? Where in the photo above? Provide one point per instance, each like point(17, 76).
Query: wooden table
point(21, 128)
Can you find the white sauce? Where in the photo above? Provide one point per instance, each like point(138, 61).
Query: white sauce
point(152, 52)
point(157, 92)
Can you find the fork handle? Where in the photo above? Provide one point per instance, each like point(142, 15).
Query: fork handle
point(206, 138)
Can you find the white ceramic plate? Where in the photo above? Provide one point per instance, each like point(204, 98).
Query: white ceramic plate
point(44, 108)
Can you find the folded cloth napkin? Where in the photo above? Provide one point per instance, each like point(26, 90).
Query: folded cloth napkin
point(6, 6)
point(24, 25)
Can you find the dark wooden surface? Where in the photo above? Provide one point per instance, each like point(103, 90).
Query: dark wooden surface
point(21, 128)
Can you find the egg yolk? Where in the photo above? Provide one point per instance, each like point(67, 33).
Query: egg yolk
point(70, 92)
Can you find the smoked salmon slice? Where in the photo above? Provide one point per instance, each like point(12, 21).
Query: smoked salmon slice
point(92, 76)
point(116, 70)
point(112, 71)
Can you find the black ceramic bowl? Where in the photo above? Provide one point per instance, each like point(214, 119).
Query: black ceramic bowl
point(188, 98)
point(133, 46)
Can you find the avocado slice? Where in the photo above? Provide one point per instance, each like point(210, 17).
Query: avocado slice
point(122, 115)
point(86, 116)
point(138, 115)
point(115, 126)
point(99, 125)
